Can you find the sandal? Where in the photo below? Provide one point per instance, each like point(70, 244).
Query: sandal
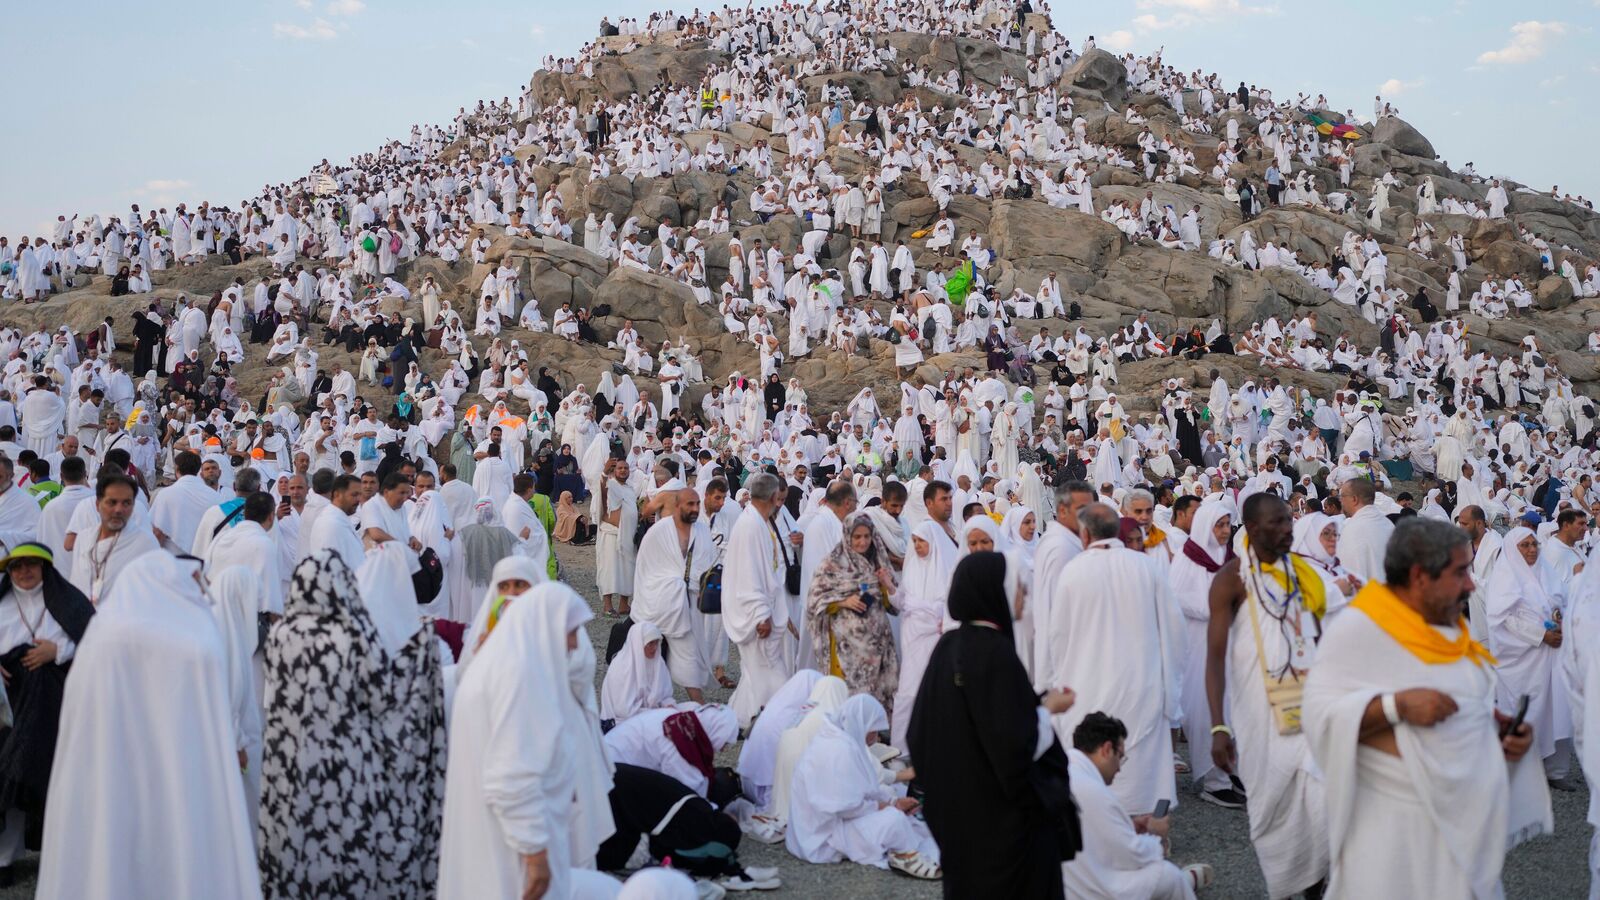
point(1202, 873)
point(916, 865)
point(766, 830)
point(725, 681)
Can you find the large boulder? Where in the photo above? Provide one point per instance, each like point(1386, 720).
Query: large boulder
point(1100, 73)
point(1038, 236)
point(1553, 292)
point(1507, 258)
point(1398, 133)
point(661, 308)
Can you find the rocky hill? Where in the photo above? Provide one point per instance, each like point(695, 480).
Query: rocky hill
point(1112, 277)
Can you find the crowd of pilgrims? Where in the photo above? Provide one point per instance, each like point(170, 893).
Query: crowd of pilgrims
point(320, 703)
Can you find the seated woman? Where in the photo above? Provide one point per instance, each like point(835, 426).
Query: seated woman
point(637, 679)
point(572, 526)
point(841, 803)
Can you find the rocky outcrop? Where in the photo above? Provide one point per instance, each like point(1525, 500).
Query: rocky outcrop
point(1099, 74)
point(1398, 133)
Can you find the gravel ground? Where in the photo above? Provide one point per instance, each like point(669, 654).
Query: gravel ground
point(1553, 866)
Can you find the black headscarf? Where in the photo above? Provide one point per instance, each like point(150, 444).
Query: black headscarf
point(978, 591)
point(27, 748)
point(1004, 819)
point(67, 605)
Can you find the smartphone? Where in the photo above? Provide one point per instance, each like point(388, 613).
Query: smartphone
point(1516, 721)
point(1161, 809)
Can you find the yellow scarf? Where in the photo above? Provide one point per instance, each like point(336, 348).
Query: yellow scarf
point(1313, 595)
point(1155, 538)
point(1412, 632)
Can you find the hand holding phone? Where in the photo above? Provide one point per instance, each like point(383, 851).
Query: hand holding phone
point(1511, 727)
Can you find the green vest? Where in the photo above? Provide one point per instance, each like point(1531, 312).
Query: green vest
point(708, 98)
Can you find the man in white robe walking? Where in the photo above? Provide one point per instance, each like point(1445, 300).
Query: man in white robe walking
point(1427, 785)
point(753, 612)
point(664, 584)
point(1253, 738)
point(1115, 642)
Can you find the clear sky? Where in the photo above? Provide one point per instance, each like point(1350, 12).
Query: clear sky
point(169, 100)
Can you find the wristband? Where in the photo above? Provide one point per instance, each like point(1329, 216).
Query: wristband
point(1391, 711)
point(1221, 729)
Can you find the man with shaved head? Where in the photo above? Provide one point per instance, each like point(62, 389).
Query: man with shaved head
point(675, 552)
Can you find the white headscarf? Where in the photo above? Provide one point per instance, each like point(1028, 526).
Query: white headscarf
point(1514, 581)
point(634, 681)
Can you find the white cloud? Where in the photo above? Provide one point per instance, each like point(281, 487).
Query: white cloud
point(161, 191)
point(318, 30)
point(345, 7)
point(1121, 39)
point(1394, 87)
point(469, 43)
point(1527, 43)
point(303, 4)
point(1187, 13)
point(1552, 81)
point(161, 186)
point(536, 30)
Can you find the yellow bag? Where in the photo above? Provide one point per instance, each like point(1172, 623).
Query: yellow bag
point(920, 233)
point(1117, 431)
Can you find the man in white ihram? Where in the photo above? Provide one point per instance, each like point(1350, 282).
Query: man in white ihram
point(1366, 530)
point(753, 611)
point(1427, 785)
point(1114, 636)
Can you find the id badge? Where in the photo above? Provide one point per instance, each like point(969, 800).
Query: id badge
point(1300, 646)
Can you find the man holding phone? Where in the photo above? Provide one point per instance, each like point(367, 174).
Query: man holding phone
point(1399, 711)
point(1122, 855)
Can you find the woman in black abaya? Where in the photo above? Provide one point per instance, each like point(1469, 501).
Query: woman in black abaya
point(1001, 811)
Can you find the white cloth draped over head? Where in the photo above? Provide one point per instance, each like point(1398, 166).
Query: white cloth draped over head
point(759, 754)
point(925, 581)
point(658, 884)
point(634, 681)
point(514, 754)
point(986, 525)
point(837, 785)
point(1308, 537)
point(827, 695)
point(388, 595)
point(146, 725)
point(511, 567)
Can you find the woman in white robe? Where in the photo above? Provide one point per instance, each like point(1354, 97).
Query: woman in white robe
point(827, 695)
point(514, 769)
point(842, 805)
point(1191, 575)
point(1524, 619)
point(758, 756)
point(921, 601)
point(637, 678)
point(146, 719)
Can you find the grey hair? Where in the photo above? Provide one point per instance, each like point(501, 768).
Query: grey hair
point(1137, 494)
point(763, 486)
point(1100, 520)
point(246, 481)
point(1418, 541)
point(1065, 491)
